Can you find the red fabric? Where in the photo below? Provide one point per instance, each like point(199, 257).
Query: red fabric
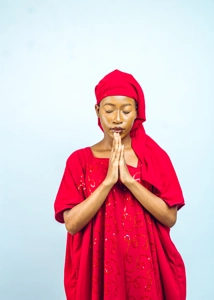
point(98, 265)
point(157, 167)
point(123, 253)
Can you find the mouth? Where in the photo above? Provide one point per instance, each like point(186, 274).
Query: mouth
point(117, 129)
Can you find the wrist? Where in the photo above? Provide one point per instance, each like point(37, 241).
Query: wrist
point(107, 184)
point(128, 182)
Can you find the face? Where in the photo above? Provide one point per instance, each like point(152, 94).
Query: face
point(117, 114)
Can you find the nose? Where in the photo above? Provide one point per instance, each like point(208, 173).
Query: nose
point(117, 118)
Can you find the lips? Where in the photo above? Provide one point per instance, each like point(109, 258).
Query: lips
point(117, 129)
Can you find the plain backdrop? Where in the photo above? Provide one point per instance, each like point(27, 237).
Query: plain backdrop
point(52, 54)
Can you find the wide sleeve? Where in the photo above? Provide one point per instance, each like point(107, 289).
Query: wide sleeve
point(70, 192)
point(171, 191)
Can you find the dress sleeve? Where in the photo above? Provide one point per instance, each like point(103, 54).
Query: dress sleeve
point(171, 191)
point(69, 193)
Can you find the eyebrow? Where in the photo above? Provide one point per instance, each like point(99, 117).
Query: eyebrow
point(115, 105)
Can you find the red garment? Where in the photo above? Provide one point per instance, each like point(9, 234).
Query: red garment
point(123, 253)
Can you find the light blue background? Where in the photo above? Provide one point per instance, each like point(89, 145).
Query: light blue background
point(52, 53)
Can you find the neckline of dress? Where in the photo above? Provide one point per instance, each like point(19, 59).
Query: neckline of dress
point(107, 159)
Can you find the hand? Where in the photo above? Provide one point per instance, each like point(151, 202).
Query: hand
point(113, 168)
point(124, 174)
point(117, 166)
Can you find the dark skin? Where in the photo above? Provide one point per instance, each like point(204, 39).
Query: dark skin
point(114, 112)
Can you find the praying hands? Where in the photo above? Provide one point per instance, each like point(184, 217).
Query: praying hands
point(117, 165)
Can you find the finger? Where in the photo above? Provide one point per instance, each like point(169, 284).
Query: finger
point(122, 150)
point(118, 150)
point(116, 142)
point(115, 138)
point(119, 139)
point(113, 144)
point(122, 159)
point(114, 148)
point(112, 157)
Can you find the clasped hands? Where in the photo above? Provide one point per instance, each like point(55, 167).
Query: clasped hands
point(117, 169)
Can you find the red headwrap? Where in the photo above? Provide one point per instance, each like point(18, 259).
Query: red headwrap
point(157, 168)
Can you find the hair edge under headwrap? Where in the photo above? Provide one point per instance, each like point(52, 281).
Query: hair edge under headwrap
point(118, 83)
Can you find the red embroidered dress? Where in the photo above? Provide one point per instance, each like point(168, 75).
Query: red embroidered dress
point(123, 253)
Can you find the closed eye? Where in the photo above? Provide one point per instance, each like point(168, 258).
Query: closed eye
point(110, 111)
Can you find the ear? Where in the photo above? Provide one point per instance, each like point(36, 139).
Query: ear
point(97, 109)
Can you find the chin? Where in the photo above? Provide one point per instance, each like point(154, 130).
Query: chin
point(123, 135)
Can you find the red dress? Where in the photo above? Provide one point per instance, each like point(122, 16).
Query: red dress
point(123, 253)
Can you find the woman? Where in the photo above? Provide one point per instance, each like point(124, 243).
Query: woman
point(118, 200)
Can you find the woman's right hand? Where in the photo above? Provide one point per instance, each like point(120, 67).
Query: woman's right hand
point(113, 168)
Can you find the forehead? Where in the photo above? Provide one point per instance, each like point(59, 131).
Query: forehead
point(117, 101)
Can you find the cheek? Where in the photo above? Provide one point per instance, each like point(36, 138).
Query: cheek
point(104, 120)
point(132, 124)
point(131, 120)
